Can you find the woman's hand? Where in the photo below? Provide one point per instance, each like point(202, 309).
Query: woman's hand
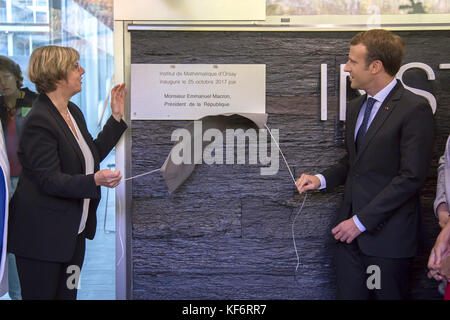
point(107, 178)
point(440, 251)
point(118, 94)
point(443, 214)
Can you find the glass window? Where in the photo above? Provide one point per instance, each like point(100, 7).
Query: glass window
point(22, 11)
point(41, 17)
point(21, 44)
point(3, 44)
point(38, 40)
point(2, 11)
point(42, 10)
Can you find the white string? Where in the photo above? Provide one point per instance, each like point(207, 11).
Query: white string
point(120, 233)
point(293, 234)
point(293, 222)
point(301, 208)
point(274, 140)
point(120, 236)
point(142, 174)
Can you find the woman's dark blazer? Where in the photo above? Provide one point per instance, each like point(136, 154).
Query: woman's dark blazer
point(46, 209)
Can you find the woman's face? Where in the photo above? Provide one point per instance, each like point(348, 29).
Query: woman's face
point(8, 84)
point(74, 77)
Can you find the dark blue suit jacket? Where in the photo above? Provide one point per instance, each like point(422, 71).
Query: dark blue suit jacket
point(383, 180)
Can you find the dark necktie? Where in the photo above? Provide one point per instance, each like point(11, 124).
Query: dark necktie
point(363, 128)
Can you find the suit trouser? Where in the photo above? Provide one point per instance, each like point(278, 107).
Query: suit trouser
point(51, 280)
point(355, 280)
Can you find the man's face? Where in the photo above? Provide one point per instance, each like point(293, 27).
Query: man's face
point(356, 65)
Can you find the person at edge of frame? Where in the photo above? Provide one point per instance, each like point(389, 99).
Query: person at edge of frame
point(441, 248)
point(15, 103)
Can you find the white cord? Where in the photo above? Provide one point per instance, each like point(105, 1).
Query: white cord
point(293, 234)
point(120, 237)
point(304, 199)
point(120, 233)
point(293, 223)
point(292, 176)
point(142, 174)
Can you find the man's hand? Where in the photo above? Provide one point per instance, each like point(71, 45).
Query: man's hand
point(346, 231)
point(307, 182)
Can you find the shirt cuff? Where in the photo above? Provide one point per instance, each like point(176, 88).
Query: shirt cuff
point(358, 223)
point(323, 182)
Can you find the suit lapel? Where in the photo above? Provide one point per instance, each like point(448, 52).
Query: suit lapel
point(383, 113)
point(66, 131)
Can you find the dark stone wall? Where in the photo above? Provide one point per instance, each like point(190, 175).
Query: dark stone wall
point(226, 233)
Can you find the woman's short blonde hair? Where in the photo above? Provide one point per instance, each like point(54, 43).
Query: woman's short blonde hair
point(49, 64)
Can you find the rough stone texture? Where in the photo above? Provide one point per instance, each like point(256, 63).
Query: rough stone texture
point(227, 232)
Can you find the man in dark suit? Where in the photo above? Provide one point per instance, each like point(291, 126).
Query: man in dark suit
point(389, 138)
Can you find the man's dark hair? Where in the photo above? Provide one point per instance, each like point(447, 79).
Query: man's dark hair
point(382, 45)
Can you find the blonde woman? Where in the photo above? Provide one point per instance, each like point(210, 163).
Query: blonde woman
point(54, 207)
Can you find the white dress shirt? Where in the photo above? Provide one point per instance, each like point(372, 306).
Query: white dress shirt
point(379, 97)
point(89, 165)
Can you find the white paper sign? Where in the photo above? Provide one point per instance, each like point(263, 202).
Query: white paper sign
point(192, 91)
